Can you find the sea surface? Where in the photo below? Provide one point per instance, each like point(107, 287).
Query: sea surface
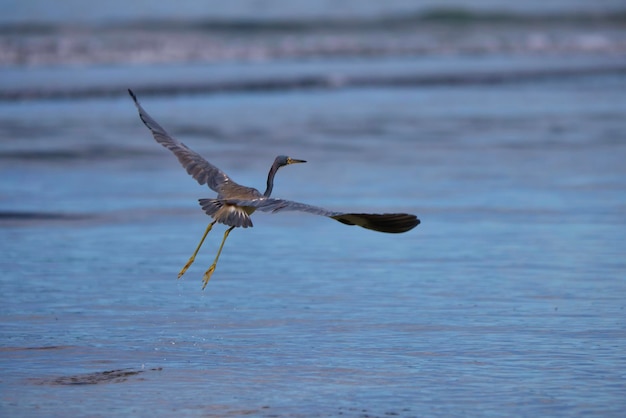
point(501, 126)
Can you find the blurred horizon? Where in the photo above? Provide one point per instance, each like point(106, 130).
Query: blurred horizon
point(112, 11)
point(74, 49)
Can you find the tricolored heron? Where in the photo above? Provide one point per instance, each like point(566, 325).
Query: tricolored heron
point(235, 203)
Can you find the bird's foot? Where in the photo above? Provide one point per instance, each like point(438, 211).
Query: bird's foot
point(207, 276)
point(184, 269)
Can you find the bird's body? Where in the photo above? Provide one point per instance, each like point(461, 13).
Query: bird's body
point(235, 203)
point(232, 215)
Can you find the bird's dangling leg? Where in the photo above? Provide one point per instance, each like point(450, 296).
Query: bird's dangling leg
point(193, 257)
point(209, 272)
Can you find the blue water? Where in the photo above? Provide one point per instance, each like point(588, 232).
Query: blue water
point(508, 299)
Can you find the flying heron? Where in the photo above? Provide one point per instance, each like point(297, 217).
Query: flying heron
point(235, 203)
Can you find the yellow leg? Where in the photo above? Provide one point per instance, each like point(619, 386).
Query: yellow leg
point(193, 257)
point(209, 272)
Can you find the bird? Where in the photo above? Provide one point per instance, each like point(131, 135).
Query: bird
point(235, 203)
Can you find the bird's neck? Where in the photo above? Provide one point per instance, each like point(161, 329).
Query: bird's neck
point(270, 180)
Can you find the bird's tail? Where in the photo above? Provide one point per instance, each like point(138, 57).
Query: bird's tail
point(225, 213)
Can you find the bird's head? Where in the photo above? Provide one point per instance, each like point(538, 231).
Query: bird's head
point(283, 160)
point(279, 162)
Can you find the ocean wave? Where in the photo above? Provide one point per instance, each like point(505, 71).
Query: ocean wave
point(435, 32)
point(445, 16)
point(62, 156)
point(315, 82)
point(13, 216)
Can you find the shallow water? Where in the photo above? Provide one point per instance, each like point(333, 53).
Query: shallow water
point(508, 299)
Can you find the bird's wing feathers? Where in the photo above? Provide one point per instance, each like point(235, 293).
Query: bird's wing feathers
point(384, 222)
point(200, 169)
point(277, 205)
point(206, 173)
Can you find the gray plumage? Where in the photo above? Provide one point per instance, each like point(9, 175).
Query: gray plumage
point(200, 169)
point(386, 222)
point(235, 203)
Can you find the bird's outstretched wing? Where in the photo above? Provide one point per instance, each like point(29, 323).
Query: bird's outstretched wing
point(200, 169)
point(383, 222)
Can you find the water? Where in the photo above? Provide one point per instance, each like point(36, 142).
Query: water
point(505, 134)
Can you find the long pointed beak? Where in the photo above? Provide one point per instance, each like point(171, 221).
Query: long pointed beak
point(294, 161)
